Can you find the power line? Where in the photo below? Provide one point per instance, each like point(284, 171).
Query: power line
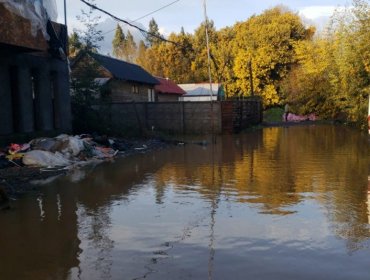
point(128, 23)
point(146, 15)
point(156, 10)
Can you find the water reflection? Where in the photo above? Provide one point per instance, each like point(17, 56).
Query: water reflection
point(248, 205)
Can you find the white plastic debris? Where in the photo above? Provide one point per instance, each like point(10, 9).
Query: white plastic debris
point(70, 145)
point(44, 159)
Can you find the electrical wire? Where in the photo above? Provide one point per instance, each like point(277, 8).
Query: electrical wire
point(128, 23)
point(156, 10)
point(148, 14)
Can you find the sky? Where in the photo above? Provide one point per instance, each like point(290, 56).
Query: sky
point(189, 13)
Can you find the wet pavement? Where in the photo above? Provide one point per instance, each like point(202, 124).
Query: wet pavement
point(279, 203)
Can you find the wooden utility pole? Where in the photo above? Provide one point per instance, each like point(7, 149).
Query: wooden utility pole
point(208, 51)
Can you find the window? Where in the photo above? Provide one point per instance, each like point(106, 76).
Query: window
point(135, 89)
point(151, 95)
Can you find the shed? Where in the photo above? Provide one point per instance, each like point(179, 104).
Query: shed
point(200, 92)
point(124, 81)
point(168, 90)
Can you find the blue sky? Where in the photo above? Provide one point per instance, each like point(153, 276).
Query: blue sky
point(189, 13)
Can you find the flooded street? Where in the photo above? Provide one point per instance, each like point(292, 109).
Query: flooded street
point(279, 203)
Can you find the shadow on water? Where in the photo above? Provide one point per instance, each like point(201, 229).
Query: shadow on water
point(251, 204)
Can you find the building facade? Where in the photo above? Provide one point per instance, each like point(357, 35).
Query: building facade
point(34, 76)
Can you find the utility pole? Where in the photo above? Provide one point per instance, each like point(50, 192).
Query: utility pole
point(65, 13)
point(208, 52)
point(209, 73)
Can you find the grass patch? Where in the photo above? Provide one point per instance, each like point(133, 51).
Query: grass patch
point(273, 114)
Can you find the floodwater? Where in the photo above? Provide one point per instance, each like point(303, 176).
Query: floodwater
point(279, 203)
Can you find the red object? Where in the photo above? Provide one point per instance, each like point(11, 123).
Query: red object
point(167, 86)
point(14, 147)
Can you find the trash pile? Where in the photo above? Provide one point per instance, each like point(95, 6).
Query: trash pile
point(61, 151)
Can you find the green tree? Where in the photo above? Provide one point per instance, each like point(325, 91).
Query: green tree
point(85, 92)
point(118, 42)
point(74, 44)
point(153, 29)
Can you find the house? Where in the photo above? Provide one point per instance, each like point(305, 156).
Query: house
point(123, 81)
point(34, 76)
point(200, 92)
point(167, 90)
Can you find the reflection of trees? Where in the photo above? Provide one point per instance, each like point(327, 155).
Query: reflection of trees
point(274, 169)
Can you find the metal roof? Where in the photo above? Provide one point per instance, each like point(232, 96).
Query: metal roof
point(102, 81)
point(167, 86)
point(125, 71)
point(201, 89)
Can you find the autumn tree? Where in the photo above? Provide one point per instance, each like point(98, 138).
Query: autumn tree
point(129, 48)
point(177, 57)
point(332, 77)
point(351, 55)
point(200, 63)
point(118, 42)
point(307, 88)
point(142, 58)
point(222, 58)
point(265, 44)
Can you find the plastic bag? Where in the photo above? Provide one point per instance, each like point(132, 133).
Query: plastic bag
point(70, 145)
point(51, 9)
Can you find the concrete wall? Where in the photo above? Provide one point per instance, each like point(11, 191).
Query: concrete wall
point(163, 97)
point(34, 95)
point(177, 117)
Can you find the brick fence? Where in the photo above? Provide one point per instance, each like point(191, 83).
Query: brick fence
point(183, 117)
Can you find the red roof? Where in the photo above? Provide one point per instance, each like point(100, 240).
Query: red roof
point(167, 86)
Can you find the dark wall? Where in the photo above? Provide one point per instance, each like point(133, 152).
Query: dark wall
point(180, 117)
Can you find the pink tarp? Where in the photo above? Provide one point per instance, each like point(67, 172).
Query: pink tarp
point(298, 118)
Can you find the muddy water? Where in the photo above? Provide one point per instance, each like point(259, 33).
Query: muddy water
point(281, 203)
